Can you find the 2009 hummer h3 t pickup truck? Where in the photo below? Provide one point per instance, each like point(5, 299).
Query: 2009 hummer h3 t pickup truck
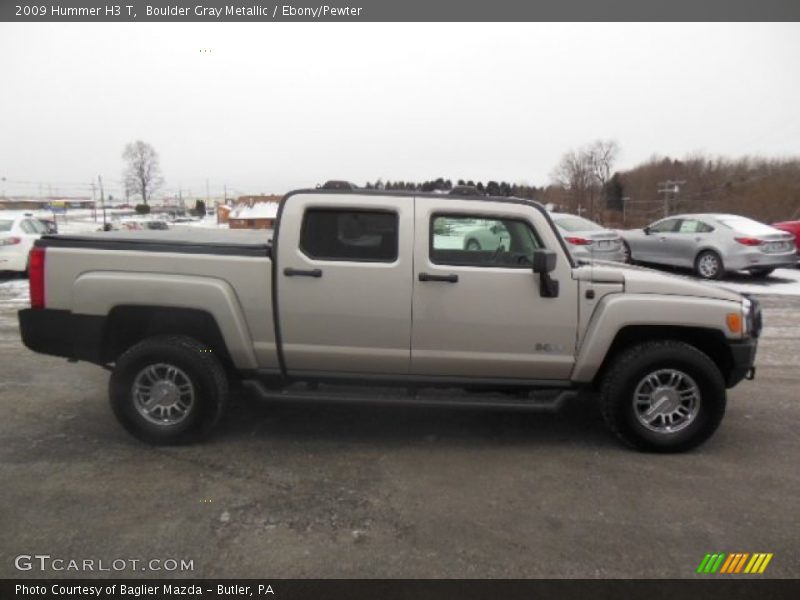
point(379, 288)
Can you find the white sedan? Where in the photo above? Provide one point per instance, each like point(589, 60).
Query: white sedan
point(17, 235)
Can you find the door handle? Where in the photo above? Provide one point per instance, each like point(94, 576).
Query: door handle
point(290, 272)
point(663, 239)
point(452, 278)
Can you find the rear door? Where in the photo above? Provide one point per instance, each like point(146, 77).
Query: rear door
point(479, 313)
point(344, 265)
point(682, 246)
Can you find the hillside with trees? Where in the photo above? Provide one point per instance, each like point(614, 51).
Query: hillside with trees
point(585, 182)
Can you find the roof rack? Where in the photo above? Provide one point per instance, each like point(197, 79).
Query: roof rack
point(335, 184)
point(465, 190)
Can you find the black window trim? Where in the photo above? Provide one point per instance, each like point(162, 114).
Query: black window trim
point(343, 209)
point(486, 217)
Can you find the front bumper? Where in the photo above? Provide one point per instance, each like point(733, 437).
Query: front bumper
point(743, 354)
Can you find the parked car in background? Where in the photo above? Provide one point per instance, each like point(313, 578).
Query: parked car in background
point(712, 244)
point(488, 235)
point(156, 225)
point(17, 235)
point(588, 240)
point(792, 227)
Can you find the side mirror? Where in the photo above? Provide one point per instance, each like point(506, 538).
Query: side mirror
point(544, 261)
point(646, 230)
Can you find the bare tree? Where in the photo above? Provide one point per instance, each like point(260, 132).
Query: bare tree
point(586, 171)
point(574, 174)
point(142, 172)
point(602, 155)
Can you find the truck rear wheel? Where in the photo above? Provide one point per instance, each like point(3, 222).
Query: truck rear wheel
point(168, 389)
point(664, 396)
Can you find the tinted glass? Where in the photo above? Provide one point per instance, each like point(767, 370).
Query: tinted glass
point(356, 235)
point(6, 225)
point(28, 227)
point(664, 226)
point(480, 242)
point(693, 226)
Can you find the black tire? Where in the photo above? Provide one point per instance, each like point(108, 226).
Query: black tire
point(761, 272)
point(473, 245)
point(632, 365)
point(197, 362)
point(709, 255)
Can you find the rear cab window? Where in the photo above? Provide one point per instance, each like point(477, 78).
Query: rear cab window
point(349, 235)
point(481, 241)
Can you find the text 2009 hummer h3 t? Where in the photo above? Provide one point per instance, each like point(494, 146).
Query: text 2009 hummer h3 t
point(379, 288)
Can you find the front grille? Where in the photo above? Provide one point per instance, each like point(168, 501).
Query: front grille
point(755, 320)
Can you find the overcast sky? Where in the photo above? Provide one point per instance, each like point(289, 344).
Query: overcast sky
point(278, 106)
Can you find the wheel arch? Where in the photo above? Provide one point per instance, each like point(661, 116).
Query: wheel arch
point(710, 342)
point(127, 325)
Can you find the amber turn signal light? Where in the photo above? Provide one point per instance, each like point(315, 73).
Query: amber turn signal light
point(734, 322)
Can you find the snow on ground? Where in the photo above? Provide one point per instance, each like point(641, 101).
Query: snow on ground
point(782, 282)
point(13, 297)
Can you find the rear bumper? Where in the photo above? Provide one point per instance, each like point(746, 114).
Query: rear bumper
point(760, 260)
point(62, 333)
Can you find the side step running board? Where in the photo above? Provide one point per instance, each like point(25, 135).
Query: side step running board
point(546, 400)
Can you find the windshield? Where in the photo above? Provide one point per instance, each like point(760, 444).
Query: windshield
point(6, 225)
point(745, 225)
point(577, 224)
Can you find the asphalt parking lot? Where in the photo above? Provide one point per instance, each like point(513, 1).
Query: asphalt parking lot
point(354, 491)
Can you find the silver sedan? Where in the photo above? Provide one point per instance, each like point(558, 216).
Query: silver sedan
point(589, 240)
point(712, 244)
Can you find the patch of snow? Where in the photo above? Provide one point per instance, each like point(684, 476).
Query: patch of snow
point(260, 210)
point(782, 282)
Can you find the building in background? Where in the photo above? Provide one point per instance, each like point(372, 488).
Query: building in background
point(253, 212)
point(46, 203)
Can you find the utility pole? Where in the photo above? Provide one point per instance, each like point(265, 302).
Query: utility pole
point(625, 210)
point(670, 189)
point(102, 201)
point(94, 203)
point(225, 192)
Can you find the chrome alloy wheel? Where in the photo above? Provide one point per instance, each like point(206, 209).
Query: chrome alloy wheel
point(666, 401)
point(708, 265)
point(163, 394)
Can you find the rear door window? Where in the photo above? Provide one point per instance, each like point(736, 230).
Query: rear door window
point(694, 226)
point(665, 226)
point(350, 235)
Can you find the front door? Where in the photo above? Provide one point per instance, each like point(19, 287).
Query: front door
point(344, 284)
point(478, 311)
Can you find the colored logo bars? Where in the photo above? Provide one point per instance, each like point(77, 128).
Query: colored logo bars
point(737, 562)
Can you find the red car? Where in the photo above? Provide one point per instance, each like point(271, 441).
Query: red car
point(792, 227)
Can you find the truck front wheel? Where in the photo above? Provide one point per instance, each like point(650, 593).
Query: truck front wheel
point(168, 389)
point(663, 396)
